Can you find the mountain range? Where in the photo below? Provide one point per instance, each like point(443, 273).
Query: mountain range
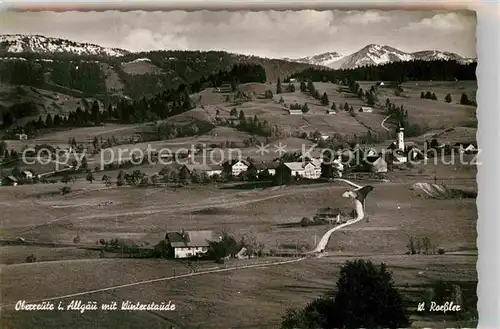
point(372, 54)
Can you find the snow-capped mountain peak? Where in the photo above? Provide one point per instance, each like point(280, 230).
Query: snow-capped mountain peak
point(325, 59)
point(375, 54)
point(18, 43)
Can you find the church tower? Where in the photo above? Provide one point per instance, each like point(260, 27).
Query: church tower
point(401, 139)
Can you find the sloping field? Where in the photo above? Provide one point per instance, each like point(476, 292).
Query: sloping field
point(247, 298)
point(140, 67)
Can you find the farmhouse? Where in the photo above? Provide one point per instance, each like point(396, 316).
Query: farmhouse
point(200, 168)
point(467, 147)
point(224, 88)
point(9, 181)
point(235, 167)
point(366, 109)
point(330, 112)
point(264, 167)
point(293, 80)
point(22, 137)
point(294, 112)
point(27, 174)
point(302, 169)
point(186, 244)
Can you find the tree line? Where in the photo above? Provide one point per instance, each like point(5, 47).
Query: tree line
point(415, 70)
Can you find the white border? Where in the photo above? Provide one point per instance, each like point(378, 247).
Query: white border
point(488, 137)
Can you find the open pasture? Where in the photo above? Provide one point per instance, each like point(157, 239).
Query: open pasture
point(259, 296)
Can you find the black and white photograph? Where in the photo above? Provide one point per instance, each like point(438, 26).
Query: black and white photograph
point(237, 169)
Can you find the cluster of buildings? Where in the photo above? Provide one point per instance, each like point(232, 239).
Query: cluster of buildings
point(305, 168)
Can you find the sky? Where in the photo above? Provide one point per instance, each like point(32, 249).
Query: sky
point(272, 34)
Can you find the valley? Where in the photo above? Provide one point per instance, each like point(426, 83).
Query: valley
point(93, 216)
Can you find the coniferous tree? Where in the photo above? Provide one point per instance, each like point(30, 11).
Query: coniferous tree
point(279, 89)
point(464, 99)
point(303, 87)
point(448, 98)
point(334, 106)
point(305, 108)
point(324, 100)
point(422, 95)
point(346, 107)
point(48, 121)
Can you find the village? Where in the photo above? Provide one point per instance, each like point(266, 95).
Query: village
point(249, 181)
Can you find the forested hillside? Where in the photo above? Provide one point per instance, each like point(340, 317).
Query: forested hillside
point(439, 70)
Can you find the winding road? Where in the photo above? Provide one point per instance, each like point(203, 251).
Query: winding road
point(383, 121)
point(319, 248)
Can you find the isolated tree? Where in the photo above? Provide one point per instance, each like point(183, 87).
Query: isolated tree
point(464, 99)
point(370, 98)
point(310, 87)
point(346, 107)
point(434, 144)
point(305, 108)
point(282, 100)
point(217, 112)
point(422, 95)
point(334, 106)
point(434, 97)
point(233, 112)
point(90, 177)
point(48, 121)
point(76, 239)
point(279, 89)
point(84, 165)
point(31, 259)
point(448, 98)
point(428, 95)
point(65, 190)
point(324, 100)
point(226, 246)
point(234, 85)
point(366, 298)
point(303, 86)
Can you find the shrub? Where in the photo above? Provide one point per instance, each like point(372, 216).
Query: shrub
point(305, 221)
point(441, 251)
point(31, 258)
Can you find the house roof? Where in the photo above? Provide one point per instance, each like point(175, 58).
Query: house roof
point(265, 165)
point(28, 172)
point(202, 167)
point(190, 238)
point(11, 178)
point(296, 166)
point(466, 144)
point(233, 162)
